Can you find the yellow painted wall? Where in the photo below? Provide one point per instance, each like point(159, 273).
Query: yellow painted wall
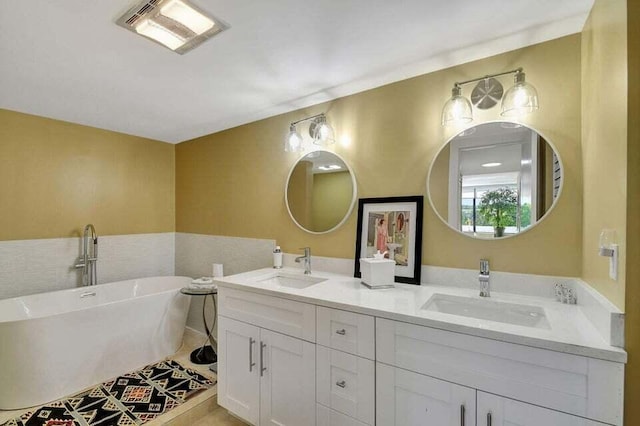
point(55, 177)
point(232, 182)
point(604, 141)
point(332, 194)
point(632, 293)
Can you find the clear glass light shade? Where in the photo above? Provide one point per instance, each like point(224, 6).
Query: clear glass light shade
point(322, 133)
point(521, 99)
point(293, 142)
point(457, 110)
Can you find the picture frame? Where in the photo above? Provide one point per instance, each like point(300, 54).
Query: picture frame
point(392, 224)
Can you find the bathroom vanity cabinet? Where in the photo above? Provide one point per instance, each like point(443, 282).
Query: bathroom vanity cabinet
point(266, 368)
point(293, 363)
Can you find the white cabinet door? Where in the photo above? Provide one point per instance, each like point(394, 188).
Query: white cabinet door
point(238, 369)
point(404, 398)
point(498, 411)
point(578, 385)
point(346, 383)
point(287, 384)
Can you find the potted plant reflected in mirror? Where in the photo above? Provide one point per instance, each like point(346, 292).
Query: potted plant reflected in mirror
point(498, 208)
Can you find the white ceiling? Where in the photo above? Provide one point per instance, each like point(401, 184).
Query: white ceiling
point(67, 59)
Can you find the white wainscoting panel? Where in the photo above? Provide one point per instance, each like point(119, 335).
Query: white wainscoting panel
point(196, 254)
point(37, 266)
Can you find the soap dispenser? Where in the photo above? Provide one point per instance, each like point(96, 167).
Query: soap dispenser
point(277, 258)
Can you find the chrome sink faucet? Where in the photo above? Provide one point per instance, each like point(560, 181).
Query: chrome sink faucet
point(483, 278)
point(89, 256)
point(307, 260)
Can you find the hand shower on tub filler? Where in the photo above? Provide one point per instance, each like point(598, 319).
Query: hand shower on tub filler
point(89, 257)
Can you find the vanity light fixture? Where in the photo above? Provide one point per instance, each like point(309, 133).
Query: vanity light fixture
point(457, 109)
point(520, 99)
point(293, 142)
point(320, 131)
point(175, 24)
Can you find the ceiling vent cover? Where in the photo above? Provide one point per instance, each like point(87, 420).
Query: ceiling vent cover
point(175, 24)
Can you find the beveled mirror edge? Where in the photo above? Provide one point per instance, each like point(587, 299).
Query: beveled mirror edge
point(544, 217)
point(354, 197)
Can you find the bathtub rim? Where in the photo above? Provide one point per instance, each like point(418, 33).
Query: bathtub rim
point(94, 306)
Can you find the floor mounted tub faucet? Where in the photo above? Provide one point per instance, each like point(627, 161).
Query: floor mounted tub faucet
point(89, 256)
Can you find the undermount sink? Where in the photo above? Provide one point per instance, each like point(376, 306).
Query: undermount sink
point(508, 313)
point(291, 280)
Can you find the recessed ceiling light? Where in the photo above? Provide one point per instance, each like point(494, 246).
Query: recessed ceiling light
point(330, 167)
point(175, 24)
point(491, 164)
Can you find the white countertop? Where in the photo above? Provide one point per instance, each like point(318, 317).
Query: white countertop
point(571, 332)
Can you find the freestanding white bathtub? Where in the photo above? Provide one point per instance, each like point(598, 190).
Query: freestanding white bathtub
point(54, 344)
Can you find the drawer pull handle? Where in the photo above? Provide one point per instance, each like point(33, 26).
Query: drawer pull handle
point(489, 418)
point(262, 367)
point(251, 363)
point(462, 410)
point(341, 384)
point(341, 332)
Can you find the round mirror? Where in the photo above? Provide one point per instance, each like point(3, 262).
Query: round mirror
point(320, 192)
point(495, 180)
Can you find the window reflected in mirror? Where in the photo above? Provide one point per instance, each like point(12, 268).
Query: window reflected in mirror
point(495, 180)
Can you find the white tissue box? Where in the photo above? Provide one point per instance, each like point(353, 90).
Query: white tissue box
point(377, 273)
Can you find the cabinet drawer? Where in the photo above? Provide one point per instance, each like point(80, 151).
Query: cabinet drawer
point(346, 331)
point(327, 417)
point(577, 385)
point(345, 383)
point(288, 317)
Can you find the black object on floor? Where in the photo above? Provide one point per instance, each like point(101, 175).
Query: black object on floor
point(204, 355)
point(130, 399)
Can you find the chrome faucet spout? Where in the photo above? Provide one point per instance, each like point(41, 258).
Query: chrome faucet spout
point(89, 256)
point(307, 260)
point(483, 279)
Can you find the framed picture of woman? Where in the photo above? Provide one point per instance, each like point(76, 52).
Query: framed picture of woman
point(391, 225)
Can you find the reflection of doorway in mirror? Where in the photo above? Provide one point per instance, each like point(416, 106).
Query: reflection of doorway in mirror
point(506, 158)
point(389, 231)
point(488, 163)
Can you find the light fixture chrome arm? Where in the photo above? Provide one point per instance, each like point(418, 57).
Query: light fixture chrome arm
point(313, 117)
point(473, 80)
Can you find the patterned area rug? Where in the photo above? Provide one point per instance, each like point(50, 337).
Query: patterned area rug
point(131, 399)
